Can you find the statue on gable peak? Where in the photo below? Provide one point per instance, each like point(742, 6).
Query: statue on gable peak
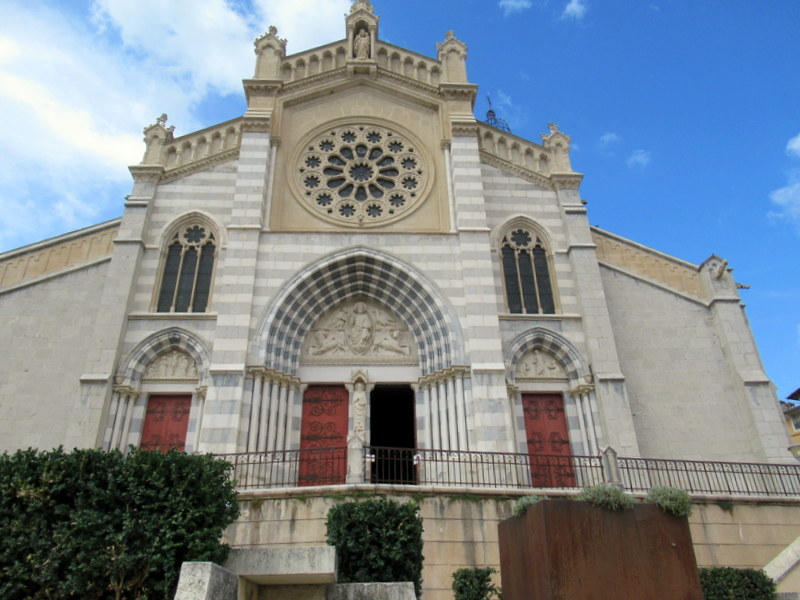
point(362, 4)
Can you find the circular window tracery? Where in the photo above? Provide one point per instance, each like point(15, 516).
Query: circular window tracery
point(361, 174)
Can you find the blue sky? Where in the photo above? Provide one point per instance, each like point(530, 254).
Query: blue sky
point(684, 114)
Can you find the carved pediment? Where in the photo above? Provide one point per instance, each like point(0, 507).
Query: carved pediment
point(172, 366)
point(360, 331)
point(538, 364)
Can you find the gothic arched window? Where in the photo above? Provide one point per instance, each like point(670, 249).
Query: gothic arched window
point(188, 270)
point(529, 289)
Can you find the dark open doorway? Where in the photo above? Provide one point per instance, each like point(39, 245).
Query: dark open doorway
point(393, 434)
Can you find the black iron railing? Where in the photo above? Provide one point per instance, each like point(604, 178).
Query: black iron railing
point(710, 477)
point(289, 468)
point(451, 468)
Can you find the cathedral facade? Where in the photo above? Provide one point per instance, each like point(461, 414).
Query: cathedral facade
point(358, 262)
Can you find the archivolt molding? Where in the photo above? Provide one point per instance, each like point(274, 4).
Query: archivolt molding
point(190, 218)
point(520, 221)
point(150, 351)
point(568, 360)
point(348, 276)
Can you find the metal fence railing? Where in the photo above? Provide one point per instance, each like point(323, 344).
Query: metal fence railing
point(455, 468)
point(711, 477)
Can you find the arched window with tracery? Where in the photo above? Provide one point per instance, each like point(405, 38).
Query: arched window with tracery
point(188, 270)
point(526, 271)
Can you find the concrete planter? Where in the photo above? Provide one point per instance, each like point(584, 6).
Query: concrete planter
point(568, 550)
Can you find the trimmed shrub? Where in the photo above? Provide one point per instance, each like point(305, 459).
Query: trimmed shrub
point(475, 584)
point(606, 496)
point(671, 500)
point(727, 583)
point(377, 540)
point(98, 525)
point(524, 503)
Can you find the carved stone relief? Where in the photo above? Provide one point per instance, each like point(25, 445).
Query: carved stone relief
point(359, 330)
point(171, 366)
point(538, 364)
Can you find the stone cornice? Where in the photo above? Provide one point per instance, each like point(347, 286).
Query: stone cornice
point(257, 124)
point(566, 181)
point(146, 173)
point(459, 91)
point(200, 165)
point(463, 129)
point(261, 88)
point(526, 174)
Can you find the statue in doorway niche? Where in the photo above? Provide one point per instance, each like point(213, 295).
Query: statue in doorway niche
point(361, 45)
point(359, 408)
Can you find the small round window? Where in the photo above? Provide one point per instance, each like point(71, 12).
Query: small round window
point(361, 174)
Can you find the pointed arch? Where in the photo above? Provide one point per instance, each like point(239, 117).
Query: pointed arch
point(526, 256)
point(132, 370)
point(564, 352)
point(360, 272)
point(189, 249)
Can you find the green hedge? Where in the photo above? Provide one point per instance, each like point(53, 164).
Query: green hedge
point(726, 583)
point(98, 525)
point(377, 540)
point(475, 584)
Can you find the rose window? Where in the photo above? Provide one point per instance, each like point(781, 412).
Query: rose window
point(361, 174)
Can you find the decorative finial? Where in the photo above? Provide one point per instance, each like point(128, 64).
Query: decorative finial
point(450, 35)
point(552, 127)
point(362, 4)
point(493, 120)
point(272, 30)
point(162, 120)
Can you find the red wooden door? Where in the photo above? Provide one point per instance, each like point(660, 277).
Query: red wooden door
point(166, 422)
point(323, 435)
point(548, 440)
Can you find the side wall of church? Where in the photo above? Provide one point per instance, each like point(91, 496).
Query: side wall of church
point(677, 372)
point(47, 331)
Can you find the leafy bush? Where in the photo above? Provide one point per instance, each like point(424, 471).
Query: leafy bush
point(475, 584)
point(606, 496)
point(524, 503)
point(671, 500)
point(726, 583)
point(377, 540)
point(98, 525)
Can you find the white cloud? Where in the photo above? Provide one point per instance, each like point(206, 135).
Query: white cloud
point(575, 9)
point(639, 159)
point(793, 146)
point(607, 140)
point(75, 94)
point(787, 200)
point(512, 6)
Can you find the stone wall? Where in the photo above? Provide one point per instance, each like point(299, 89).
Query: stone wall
point(47, 331)
point(460, 530)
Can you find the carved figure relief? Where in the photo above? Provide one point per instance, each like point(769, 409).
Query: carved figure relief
point(358, 330)
point(538, 364)
point(172, 365)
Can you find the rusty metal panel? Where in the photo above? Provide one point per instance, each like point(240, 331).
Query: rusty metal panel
point(568, 550)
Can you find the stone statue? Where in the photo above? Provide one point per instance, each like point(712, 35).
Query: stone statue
point(361, 45)
point(359, 408)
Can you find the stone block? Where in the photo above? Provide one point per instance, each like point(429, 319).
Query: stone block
point(371, 591)
point(284, 566)
point(206, 581)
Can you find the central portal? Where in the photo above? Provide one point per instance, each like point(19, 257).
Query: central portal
point(393, 434)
